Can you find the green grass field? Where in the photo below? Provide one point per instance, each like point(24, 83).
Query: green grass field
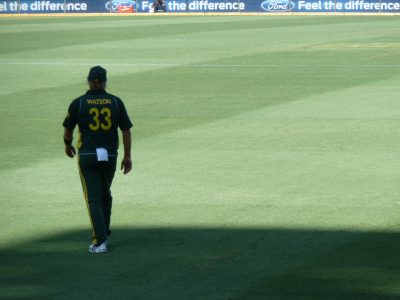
point(266, 158)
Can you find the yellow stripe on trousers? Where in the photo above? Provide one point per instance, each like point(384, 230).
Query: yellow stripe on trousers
point(85, 194)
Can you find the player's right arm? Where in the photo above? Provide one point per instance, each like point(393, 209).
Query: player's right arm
point(125, 125)
point(126, 163)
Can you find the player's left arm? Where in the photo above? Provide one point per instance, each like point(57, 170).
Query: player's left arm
point(69, 148)
point(69, 124)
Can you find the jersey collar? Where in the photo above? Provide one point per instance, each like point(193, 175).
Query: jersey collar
point(90, 92)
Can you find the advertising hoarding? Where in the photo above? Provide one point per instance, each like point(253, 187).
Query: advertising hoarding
point(206, 6)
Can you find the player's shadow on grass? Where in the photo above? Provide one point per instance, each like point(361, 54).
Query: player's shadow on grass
point(184, 263)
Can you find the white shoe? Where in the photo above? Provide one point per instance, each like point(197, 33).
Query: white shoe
point(98, 249)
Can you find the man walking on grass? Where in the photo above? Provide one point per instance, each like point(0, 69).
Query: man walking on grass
point(98, 115)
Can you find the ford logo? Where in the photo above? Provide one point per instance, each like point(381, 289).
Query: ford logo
point(115, 3)
point(277, 5)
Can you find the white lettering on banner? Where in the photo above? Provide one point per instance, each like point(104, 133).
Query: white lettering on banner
point(145, 5)
point(14, 6)
point(177, 6)
point(49, 6)
point(351, 5)
point(199, 5)
point(310, 5)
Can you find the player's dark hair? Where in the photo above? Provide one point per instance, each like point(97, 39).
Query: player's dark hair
point(97, 86)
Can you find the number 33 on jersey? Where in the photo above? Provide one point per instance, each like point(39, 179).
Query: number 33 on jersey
point(106, 113)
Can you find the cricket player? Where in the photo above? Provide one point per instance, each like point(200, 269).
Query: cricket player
point(98, 115)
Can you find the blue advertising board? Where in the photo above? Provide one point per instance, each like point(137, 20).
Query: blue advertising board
point(63, 6)
point(276, 6)
point(209, 6)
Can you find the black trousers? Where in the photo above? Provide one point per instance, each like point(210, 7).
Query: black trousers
point(96, 178)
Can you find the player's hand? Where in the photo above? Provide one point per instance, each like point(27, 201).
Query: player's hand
point(70, 151)
point(126, 165)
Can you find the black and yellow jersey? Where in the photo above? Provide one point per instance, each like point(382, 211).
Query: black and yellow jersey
point(98, 115)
